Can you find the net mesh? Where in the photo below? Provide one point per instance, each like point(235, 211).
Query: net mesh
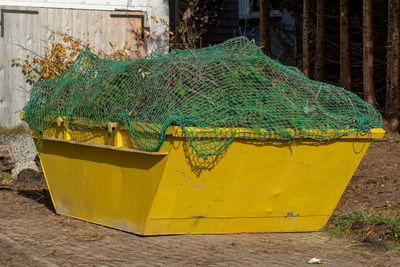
point(215, 94)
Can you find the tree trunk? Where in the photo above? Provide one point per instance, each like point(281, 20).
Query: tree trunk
point(392, 110)
point(306, 38)
point(389, 47)
point(7, 161)
point(319, 70)
point(296, 16)
point(368, 70)
point(265, 37)
point(345, 64)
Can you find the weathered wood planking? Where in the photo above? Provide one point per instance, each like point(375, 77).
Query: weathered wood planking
point(34, 32)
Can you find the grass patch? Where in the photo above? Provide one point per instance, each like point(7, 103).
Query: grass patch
point(20, 128)
point(394, 246)
point(6, 178)
point(368, 227)
point(6, 175)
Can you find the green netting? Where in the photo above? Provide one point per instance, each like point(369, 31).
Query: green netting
point(215, 94)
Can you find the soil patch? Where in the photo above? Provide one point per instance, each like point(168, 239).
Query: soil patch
point(64, 241)
point(376, 183)
point(370, 207)
point(29, 179)
point(9, 256)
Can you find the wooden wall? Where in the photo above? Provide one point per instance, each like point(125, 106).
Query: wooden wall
point(30, 33)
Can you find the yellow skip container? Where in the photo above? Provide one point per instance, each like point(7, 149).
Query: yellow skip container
point(262, 186)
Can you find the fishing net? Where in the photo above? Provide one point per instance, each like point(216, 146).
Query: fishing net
point(215, 94)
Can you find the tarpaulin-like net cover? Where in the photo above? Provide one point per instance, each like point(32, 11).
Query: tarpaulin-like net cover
point(215, 94)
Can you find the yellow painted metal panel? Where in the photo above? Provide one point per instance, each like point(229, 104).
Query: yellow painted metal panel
point(235, 225)
point(261, 186)
point(109, 187)
point(257, 180)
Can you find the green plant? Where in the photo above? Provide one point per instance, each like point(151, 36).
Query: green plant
point(21, 128)
point(61, 53)
point(361, 224)
point(394, 246)
point(6, 175)
point(370, 164)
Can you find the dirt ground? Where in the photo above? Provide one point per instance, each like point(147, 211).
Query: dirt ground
point(376, 183)
point(32, 234)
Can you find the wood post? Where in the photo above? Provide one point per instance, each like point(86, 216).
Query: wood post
point(7, 161)
point(306, 39)
point(392, 109)
point(345, 63)
point(368, 58)
point(265, 37)
point(319, 70)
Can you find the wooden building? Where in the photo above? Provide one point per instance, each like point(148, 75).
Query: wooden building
point(26, 26)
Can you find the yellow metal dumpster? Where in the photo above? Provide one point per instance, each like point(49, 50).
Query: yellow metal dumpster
point(254, 186)
point(219, 139)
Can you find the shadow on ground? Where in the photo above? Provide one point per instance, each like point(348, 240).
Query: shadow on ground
point(41, 196)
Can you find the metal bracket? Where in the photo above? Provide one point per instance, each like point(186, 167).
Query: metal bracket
point(15, 11)
point(141, 17)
